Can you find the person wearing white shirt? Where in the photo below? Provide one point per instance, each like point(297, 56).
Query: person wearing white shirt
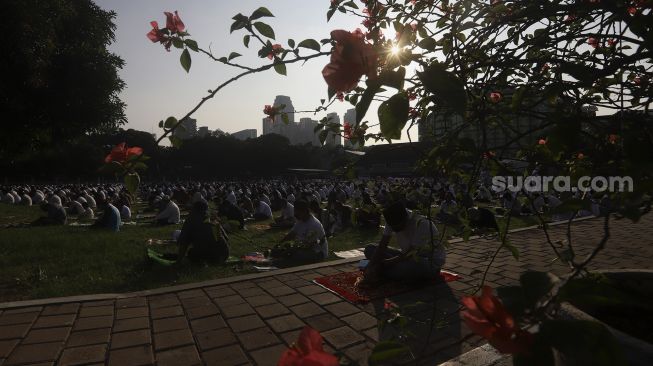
point(287, 218)
point(231, 197)
point(420, 255)
point(263, 211)
point(26, 200)
point(309, 232)
point(8, 198)
point(76, 208)
point(170, 214)
point(125, 213)
point(90, 200)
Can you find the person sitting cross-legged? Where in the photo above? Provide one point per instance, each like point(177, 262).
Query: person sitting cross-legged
point(310, 233)
point(110, 218)
point(170, 213)
point(421, 253)
point(207, 241)
point(287, 218)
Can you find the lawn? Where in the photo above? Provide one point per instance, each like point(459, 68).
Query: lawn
point(40, 262)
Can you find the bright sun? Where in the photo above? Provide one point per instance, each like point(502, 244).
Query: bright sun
point(395, 50)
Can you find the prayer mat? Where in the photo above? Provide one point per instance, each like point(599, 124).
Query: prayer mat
point(346, 285)
point(354, 253)
point(161, 258)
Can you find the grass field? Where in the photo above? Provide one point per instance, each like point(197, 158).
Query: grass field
point(39, 262)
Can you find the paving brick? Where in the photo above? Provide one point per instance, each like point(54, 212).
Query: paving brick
point(202, 311)
point(184, 356)
point(237, 310)
point(272, 310)
point(215, 339)
point(31, 309)
point(33, 353)
point(128, 313)
point(324, 322)
point(359, 353)
point(229, 301)
point(54, 321)
point(285, 323)
point(373, 334)
point(269, 282)
point(194, 302)
point(163, 301)
point(96, 311)
point(258, 338)
point(47, 335)
point(133, 356)
point(250, 292)
point(260, 300)
point(70, 308)
point(168, 312)
point(281, 290)
point(245, 323)
point(131, 302)
point(225, 356)
point(307, 310)
point(88, 337)
point(297, 283)
point(342, 337)
point(311, 290)
point(21, 318)
point(291, 337)
point(13, 331)
point(164, 325)
point(219, 291)
point(93, 323)
point(123, 325)
point(268, 356)
point(98, 303)
point(294, 299)
point(341, 309)
point(83, 355)
point(130, 339)
point(243, 284)
point(172, 339)
point(6, 347)
point(325, 298)
point(206, 324)
point(360, 321)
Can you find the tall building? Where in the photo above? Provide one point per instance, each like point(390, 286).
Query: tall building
point(245, 134)
point(333, 138)
point(203, 131)
point(298, 133)
point(187, 129)
point(350, 117)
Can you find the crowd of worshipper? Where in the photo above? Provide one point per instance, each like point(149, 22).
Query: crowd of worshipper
point(311, 210)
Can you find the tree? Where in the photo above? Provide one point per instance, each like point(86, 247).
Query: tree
point(59, 81)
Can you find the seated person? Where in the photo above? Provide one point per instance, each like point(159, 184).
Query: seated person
point(309, 232)
point(322, 214)
point(232, 212)
point(170, 214)
point(208, 242)
point(287, 218)
point(343, 216)
point(262, 212)
point(418, 258)
point(447, 208)
point(76, 207)
point(56, 213)
point(88, 213)
point(110, 218)
point(125, 211)
point(368, 215)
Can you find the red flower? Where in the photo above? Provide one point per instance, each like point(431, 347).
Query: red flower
point(351, 58)
point(580, 156)
point(593, 42)
point(120, 153)
point(495, 97)
point(486, 316)
point(270, 111)
point(545, 68)
point(340, 96)
point(346, 130)
point(276, 49)
point(155, 35)
point(413, 113)
point(173, 22)
point(612, 42)
point(612, 138)
point(307, 351)
point(542, 142)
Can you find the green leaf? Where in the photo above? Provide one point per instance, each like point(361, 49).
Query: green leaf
point(393, 115)
point(364, 103)
point(310, 44)
point(233, 55)
point(291, 43)
point(386, 351)
point(394, 79)
point(191, 44)
point(132, 181)
point(175, 141)
point(170, 122)
point(240, 22)
point(427, 44)
point(448, 89)
point(260, 13)
point(264, 29)
point(280, 68)
point(246, 40)
point(323, 136)
point(177, 42)
point(185, 60)
point(284, 118)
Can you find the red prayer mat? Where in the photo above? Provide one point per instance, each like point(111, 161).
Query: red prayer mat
point(346, 285)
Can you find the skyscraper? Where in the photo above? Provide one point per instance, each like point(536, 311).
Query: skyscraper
point(350, 117)
point(333, 138)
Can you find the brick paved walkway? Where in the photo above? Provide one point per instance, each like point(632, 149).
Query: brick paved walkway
point(250, 320)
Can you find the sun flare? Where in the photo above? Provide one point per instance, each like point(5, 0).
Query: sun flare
point(395, 50)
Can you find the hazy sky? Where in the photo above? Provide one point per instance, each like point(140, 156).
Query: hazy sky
point(158, 87)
